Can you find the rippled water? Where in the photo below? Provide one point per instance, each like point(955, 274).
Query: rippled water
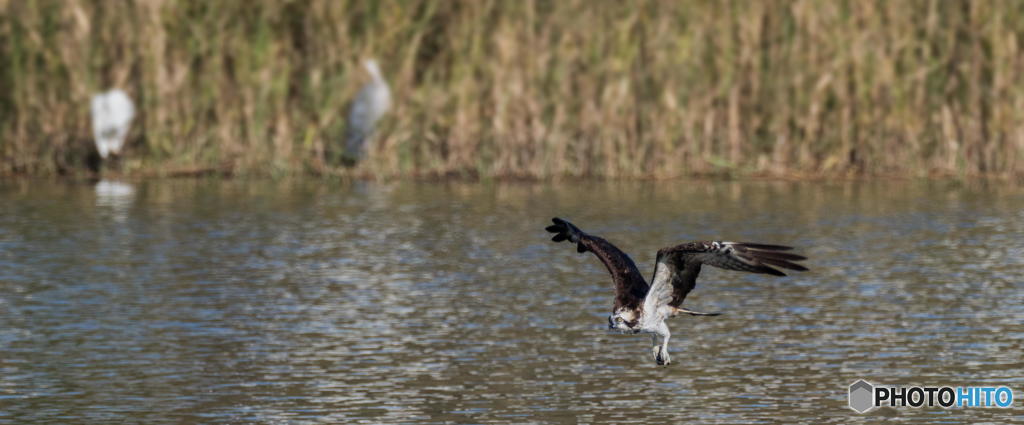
point(310, 301)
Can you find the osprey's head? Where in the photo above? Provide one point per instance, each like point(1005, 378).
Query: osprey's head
point(624, 320)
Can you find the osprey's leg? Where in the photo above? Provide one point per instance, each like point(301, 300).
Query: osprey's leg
point(662, 357)
point(655, 348)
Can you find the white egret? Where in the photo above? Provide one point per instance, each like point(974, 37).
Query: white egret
point(372, 101)
point(112, 114)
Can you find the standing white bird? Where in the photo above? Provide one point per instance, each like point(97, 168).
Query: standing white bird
point(112, 114)
point(372, 101)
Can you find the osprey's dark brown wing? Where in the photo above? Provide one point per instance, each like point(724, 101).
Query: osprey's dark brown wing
point(630, 286)
point(683, 262)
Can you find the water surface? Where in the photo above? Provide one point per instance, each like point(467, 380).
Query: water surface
point(318, 302)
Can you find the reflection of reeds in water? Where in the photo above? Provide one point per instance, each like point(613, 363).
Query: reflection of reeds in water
point(527, 88)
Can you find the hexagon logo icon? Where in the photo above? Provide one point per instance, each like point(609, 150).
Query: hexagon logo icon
point(861, 393)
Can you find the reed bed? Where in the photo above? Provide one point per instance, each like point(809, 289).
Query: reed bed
point(534, 89)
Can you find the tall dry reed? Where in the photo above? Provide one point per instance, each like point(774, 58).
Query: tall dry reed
point(524, 88)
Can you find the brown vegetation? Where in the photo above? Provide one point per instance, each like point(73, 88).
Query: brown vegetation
point(524, 88)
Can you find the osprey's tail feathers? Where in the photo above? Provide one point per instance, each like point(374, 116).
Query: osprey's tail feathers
point(565, 230)
point(679, 310)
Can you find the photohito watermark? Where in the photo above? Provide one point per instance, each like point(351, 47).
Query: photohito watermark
point(864, 396)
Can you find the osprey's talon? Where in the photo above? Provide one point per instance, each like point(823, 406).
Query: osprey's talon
point(662, 358)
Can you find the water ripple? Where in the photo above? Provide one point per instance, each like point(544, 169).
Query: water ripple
point(317, 302)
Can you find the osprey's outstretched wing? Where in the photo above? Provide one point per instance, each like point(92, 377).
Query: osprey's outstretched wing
point(630, 286)
point(675, 273)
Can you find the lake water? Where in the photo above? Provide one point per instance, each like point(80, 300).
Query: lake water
point(207, 301)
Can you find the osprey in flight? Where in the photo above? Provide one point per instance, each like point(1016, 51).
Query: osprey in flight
point(643, 308)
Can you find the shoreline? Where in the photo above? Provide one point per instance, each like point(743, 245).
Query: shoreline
point(476, 177)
